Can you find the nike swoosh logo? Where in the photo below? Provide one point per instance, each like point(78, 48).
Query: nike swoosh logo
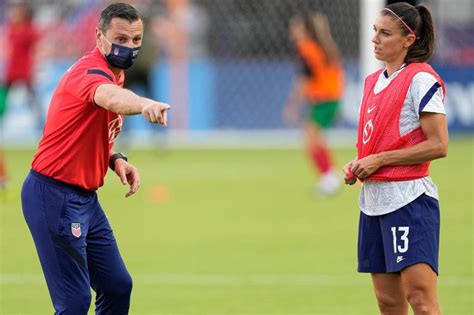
point(371, 109)
point(400, 258)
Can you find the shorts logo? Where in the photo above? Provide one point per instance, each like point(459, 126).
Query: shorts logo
point(400, 259)
point(76, 229)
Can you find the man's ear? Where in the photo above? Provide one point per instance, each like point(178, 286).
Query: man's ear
point(97, 36)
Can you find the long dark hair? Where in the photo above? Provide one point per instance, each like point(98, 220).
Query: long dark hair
point(317, 26)
point(419, 19)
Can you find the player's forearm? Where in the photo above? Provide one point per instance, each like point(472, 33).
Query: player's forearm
point(295, 97)
point(119, 100)
point(425, 151)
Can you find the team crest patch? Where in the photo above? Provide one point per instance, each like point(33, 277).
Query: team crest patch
point(76, 229)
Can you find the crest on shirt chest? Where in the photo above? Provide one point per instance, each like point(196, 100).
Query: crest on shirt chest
point(115, 126)
point(369, 125)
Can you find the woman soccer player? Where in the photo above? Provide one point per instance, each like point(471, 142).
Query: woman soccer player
point(402, 127)
point(319, 85)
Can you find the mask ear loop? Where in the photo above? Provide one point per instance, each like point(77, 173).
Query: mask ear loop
point(107, 41)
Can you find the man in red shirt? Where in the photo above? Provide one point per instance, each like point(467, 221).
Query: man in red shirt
point(74, 240)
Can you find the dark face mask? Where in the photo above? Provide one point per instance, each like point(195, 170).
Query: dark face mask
point(121, 57)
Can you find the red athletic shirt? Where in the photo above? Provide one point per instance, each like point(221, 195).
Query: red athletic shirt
point(78, 134)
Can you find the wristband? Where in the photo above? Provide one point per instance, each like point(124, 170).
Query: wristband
point(114, 157)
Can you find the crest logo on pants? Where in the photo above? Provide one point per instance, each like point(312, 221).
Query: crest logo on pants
point(76, 229)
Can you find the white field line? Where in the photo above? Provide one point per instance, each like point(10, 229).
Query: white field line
point(241, 280)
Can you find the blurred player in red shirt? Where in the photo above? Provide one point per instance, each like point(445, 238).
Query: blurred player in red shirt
point(21, 36)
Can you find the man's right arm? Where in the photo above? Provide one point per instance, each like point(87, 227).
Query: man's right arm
point(125, 102)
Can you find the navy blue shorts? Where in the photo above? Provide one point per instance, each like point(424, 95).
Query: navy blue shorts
point(394, 241)
point(76, 247)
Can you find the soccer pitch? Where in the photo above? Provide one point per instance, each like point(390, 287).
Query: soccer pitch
point(240, 232)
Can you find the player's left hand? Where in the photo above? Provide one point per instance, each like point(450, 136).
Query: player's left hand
point(128, 175)
point(365, 167)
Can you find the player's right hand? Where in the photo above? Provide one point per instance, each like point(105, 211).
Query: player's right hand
point(349, 177)
point(128, 175)
point(156, 113)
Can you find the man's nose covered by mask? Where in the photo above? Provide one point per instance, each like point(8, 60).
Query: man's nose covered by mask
point(121, 57)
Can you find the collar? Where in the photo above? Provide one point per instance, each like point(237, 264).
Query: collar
point(385, 73)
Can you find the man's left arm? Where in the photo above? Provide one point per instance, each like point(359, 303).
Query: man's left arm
point(127, 173)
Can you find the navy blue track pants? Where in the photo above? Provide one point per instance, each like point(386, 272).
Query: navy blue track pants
point(76, 247)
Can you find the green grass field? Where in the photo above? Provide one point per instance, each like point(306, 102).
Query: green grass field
point(239, 232)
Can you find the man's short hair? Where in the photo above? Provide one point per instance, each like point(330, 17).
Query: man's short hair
point(120, 10)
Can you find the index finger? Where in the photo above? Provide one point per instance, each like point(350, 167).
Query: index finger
point(133, 190)
point(135, 182)
point(135, 185)
point(164, 118)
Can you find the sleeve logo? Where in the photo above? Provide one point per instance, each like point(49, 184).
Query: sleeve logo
point(114, 128)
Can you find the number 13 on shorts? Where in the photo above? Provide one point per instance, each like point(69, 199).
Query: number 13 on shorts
point(400, 238)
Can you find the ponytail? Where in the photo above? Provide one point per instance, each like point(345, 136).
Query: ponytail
point(422, 48)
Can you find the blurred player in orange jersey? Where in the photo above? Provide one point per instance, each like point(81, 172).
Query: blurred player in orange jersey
point(319, 85)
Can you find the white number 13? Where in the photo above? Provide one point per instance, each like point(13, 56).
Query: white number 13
point(404, 238)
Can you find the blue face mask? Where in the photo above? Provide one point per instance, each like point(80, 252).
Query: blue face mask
point(121, 57)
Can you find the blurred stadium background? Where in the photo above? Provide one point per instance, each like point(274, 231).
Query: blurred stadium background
point(226, 66)
point(226, 230)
